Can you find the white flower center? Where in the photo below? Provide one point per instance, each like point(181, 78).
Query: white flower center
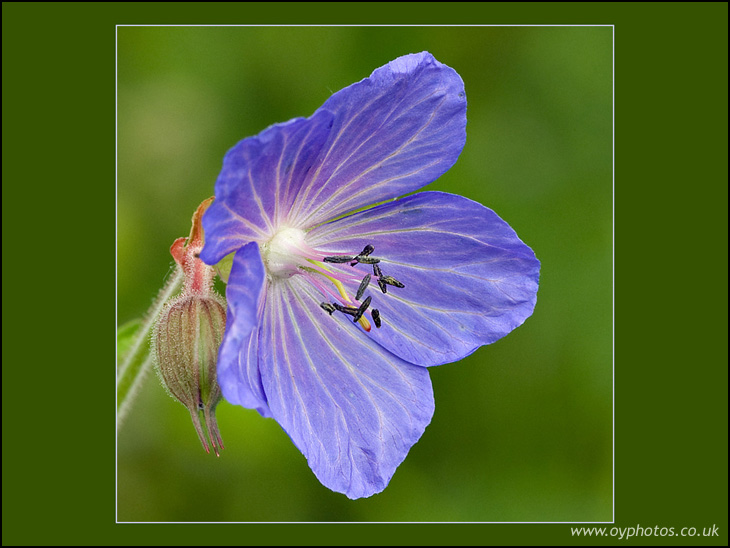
point(284, 253)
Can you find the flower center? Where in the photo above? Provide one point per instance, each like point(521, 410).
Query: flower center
point(288, 253)
point(284, 254)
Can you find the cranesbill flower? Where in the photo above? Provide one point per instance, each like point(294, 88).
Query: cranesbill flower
point(341, 295)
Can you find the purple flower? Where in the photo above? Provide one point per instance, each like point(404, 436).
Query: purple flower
point(341, 295)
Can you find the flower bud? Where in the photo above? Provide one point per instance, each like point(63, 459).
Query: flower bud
point(187, 335)
point(186, 340)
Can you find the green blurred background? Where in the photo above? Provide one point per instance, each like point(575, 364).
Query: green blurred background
point(523, 428)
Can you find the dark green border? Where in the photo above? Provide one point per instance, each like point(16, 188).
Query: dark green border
point(58, 256)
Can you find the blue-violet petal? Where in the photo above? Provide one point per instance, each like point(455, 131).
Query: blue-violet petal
point(260, 181)
point(238, 371)
point(393, 133)
point(353, 408)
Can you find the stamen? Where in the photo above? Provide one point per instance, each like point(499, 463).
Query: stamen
point(362, 257)
point(363, 286)
point(379, 274)
point(327, 307)
point(376, 317)
point(365, 260)
point(390, 280)
point(338, 259)
point(363, 307)
point(337, 277)
point(367, 250)
point(352, 311)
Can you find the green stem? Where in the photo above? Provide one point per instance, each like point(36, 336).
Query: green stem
point(136, 362)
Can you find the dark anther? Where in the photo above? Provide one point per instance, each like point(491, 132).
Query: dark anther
point(336, 259)
point(363, 307)
point(390, 280)
point(363, 286)
point(363, 256)
point(376, 317)
point(365, 260)
point(327, 307)
point(367, 250)
point(379, 274)
point(351, 310)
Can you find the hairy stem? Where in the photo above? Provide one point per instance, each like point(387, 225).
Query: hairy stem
point(135, 363)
